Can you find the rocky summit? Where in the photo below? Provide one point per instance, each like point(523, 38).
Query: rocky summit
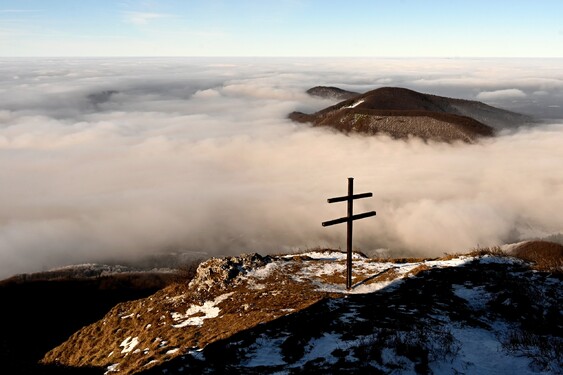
point(402, 113)
point(488, 311)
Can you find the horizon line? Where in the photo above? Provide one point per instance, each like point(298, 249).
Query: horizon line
point(281, 56)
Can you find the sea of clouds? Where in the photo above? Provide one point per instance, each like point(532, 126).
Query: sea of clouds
point(110, 159)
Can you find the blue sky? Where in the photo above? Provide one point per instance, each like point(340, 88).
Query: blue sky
point(389, 28)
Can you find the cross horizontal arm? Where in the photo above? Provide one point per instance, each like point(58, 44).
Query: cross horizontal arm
point(364, 215)
point(346, 219)
point(345, 198)
point(335, 221)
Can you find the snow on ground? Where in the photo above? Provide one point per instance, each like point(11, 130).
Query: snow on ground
point(319, 266)
point(389, 356)
point(355, 104)
point(476, 297)
point(197, 354)
point(193, 316)
point(488, 259)
point(263, 272)
point(455, 262)
point(112, 368)
point(359, 289)
point(324, 255)
point(265, 352)
point(322, 347)
point(481, 353)
point(332, 263)
point(129, 344)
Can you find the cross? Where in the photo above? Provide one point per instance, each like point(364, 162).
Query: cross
point(349, 219)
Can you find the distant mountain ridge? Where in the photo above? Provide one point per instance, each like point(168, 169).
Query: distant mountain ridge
point(331, 92)
point(402, 113)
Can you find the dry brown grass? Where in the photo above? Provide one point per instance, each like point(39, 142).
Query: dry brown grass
point(335, 278)
point(399, 260)
point(493, 251)
point(477, 252)
point(415, 271)
point(387, 275)
point(546, 256)
point(250, 304)
point(450, 256)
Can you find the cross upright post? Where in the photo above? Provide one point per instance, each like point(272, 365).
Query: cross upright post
point(349, 233)
point(349, 219)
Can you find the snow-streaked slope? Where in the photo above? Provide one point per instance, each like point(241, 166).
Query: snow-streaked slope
point(293, 314)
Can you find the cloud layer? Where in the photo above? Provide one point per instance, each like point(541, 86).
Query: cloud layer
point(116, 159)
point(501, 94)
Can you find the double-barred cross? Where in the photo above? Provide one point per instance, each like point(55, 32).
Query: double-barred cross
point(349, 220)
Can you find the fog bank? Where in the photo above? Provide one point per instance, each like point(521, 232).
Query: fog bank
point(120, 158)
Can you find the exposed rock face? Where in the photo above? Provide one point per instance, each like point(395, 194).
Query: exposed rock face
point(221, 272)
point(403, 113)
point(330, 92)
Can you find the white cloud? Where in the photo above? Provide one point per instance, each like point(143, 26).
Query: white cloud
point(501, 94)
point(207, 94)
point(197, 154)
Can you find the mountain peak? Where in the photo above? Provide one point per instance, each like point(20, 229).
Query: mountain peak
point(402, 113)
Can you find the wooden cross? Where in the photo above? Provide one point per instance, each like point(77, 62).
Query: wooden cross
point(349, 219)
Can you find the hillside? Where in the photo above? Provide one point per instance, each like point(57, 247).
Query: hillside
point(479, 313)
point(41, 310)
point(403, 113)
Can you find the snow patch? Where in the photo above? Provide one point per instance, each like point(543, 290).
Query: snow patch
point(489, 259)
point(265, 352)
point(324, 255)
point(322, 348)
point(481, 353)
point(330, 263)
point(355, 104)
point(112, 368)
point(476, 298)
point(455, 262)
point(129, 344)
point(263, 272)
point(208, 310)
point(197, 354)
